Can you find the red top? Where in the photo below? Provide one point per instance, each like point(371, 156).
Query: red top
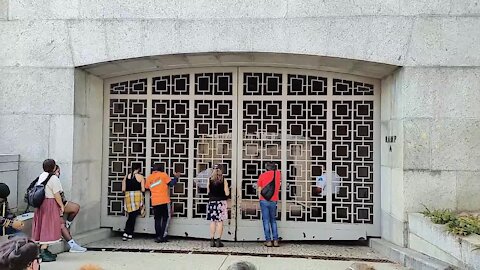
point(265, 178)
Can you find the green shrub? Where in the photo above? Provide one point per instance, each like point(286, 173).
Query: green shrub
point(440, 216)
point(465, 225)
point(458, 225)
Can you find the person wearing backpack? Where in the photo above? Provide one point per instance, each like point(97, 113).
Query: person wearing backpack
point(268, 189)
point(47, 219)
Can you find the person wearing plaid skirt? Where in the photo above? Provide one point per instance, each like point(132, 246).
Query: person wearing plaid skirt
point(133, 185)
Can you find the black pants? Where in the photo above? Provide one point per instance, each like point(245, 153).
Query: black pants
point(130, 225)
point(160, 213)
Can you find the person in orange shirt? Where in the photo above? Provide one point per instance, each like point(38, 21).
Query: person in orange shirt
point(159, 184)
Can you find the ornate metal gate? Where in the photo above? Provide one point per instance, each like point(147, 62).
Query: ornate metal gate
point(320, 128)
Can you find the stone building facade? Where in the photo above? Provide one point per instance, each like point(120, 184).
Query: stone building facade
point(59, 59)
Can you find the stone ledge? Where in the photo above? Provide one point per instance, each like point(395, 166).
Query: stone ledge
point(460, 248)
point(407, 257)
point(82, 239)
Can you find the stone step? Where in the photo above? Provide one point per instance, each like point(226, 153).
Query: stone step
point(407, 257)
point(82, 239)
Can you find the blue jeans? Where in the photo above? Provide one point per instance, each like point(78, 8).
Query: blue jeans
point(269, 214)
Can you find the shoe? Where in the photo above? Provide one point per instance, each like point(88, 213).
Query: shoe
point(275, 243)
point(125, 237)
point(76, 248)
point(130, 237)
point(219, 243)
point(268, 243)
point(159, 240)
point(212, 242)
point(45, 257)
point(165, 239)
point(50, 253)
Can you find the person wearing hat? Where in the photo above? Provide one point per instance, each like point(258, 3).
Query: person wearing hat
point(8, 224)
point(19, 253)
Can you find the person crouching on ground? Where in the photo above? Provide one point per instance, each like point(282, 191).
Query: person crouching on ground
point(218, 193)
point(159, 184)
point(269, 207)
point(133, 185)
point(19, 253)
point(8, 224)
point(48, 225)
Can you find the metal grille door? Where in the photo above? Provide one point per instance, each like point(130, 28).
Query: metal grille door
point(319, 128)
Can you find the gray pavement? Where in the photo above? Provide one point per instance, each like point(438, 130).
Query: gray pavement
point(316, 250)
point(145, 261)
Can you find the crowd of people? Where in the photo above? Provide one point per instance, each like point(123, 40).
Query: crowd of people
point(53, 218)
point(159, 182)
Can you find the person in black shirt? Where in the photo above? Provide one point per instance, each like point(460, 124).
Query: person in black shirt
point(218, 193)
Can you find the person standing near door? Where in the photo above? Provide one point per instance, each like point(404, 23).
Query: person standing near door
point(133, 185)
point(218, 193)
point(268, 206)
point(158, 183)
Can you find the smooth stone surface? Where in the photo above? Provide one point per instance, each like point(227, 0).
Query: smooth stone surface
point(91, 49)
point(444, 42)
point(36, 91)
point(417, 150)
point(3, 10)
point(427, 187)
point(468, 188)
point(455, 144)
point(26, 135)
point(35, 44)
point(122, 260)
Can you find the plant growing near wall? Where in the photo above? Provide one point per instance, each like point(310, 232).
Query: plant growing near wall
point(458, 225)
point(440, 216)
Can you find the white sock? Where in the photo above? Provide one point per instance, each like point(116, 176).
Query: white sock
point(71, 243)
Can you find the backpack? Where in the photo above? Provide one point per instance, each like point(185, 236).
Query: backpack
point(268, 190)
point(36, 193)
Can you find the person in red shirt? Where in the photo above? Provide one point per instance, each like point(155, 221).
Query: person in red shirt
point(269, 207)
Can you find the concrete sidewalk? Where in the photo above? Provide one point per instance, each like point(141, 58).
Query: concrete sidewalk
point(146, 261)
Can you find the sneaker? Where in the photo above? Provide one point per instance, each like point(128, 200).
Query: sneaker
point(50, 253)
point(125, 237)
point(46, 257)
point(130, 237)
point(268, 243)
point(159, 240)
point(275, 243)
point(76, 248)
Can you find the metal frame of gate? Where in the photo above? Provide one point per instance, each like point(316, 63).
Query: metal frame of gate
point(311, 123)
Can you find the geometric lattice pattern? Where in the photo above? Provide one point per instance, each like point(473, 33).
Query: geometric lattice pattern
point(127, 145)
point(169, 146)
point(261, 129)
point(213, 127)
point(348, 88)
point(306, 160)
point(262, 84)
point(311, 126)
point(352, 161)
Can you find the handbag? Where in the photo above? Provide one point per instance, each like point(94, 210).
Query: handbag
point(268, 190)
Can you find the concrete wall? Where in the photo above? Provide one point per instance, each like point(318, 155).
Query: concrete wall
point(87, 151)
point(9, 176)
point(431, 104)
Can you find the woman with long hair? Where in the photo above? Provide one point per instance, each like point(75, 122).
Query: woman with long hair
point(218, 192)
point(133, 185)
